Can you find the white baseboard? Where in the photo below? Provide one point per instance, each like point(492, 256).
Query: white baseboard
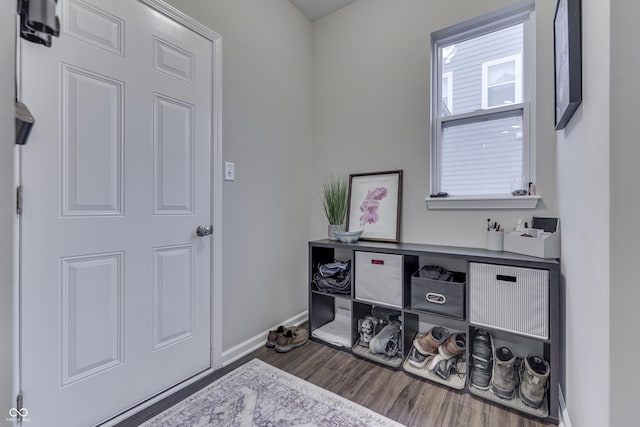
point(564, 413)
point(257, 341)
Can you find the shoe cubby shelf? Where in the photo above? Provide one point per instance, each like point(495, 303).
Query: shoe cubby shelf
point(514, 297)
point(393, 362)
point(455, 381)
point(514, 403)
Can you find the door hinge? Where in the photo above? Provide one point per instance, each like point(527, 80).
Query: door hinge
point(19, 200)
point(19, 402)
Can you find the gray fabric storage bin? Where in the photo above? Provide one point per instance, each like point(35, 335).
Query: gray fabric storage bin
point(512, 299)
point(378, 278)
point(436, 296)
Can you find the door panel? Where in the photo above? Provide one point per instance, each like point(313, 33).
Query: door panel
point(174, 161)
point(92, 315)
point(94, 25)
point(173, 295)
point(117, 176)
point(92, 143)
point(172, 60)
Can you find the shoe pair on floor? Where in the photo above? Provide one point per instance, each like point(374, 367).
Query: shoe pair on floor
point(286, 338)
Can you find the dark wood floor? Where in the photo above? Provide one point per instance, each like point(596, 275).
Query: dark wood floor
point(395, 394)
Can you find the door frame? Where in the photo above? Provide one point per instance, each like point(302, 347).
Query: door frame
point(176, 15)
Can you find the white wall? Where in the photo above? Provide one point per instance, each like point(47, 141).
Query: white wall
point(266, 131)
point(371, 107)
point(625, 208)
point(583, 193)
point(7, 210)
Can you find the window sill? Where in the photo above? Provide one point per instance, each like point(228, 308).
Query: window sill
point(483, 202)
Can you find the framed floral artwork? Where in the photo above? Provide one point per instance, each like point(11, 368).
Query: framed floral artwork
point(375, 205)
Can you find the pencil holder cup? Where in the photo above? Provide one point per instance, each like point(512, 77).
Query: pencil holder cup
point(494, 240)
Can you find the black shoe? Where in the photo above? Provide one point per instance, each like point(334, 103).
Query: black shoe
point(481, 360)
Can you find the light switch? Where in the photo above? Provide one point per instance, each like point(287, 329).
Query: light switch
point(229, 171)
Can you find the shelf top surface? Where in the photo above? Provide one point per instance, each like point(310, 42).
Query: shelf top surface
point(417, 249)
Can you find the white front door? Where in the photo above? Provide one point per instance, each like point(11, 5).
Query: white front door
point(115, 283)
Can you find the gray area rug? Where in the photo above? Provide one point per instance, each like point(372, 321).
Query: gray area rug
point(258, 394)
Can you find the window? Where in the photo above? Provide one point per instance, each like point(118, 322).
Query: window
point(502, 81)
point(480, 121)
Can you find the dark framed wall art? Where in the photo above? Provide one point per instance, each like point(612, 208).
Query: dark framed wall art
point(567, 35)
point(375, 205)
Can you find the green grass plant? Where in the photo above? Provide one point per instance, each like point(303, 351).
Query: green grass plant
point(334, 199)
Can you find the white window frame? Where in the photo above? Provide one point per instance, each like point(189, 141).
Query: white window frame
point(449, 89)
point(517, 60)
point(522, 12)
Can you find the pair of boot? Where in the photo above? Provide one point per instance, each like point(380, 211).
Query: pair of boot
point(286, 338)
point(534, 374)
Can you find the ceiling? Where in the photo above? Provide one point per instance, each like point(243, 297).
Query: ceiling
point(314, 9)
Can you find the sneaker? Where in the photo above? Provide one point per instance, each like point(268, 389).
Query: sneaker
point(482, 344)
point(273, 335)
point(290, 339)
point(434, 362)
point(386, 341)
point(428, 343)
point(480, 373)
point(481, 360)
point(454, 345)
point(367, 330)
point(417, 359)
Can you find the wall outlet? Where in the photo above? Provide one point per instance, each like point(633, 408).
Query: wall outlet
point(229, 171)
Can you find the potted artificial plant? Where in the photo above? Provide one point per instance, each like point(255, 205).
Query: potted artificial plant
point(334, 202)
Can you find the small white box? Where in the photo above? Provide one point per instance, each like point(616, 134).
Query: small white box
point(378, 278)
point(545, 246)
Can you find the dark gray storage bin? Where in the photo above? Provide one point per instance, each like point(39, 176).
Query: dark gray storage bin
point(435, 296)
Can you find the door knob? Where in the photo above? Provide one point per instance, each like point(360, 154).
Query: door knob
point(204, 230)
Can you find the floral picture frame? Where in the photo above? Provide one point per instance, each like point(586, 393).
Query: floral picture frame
point(375, 205)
